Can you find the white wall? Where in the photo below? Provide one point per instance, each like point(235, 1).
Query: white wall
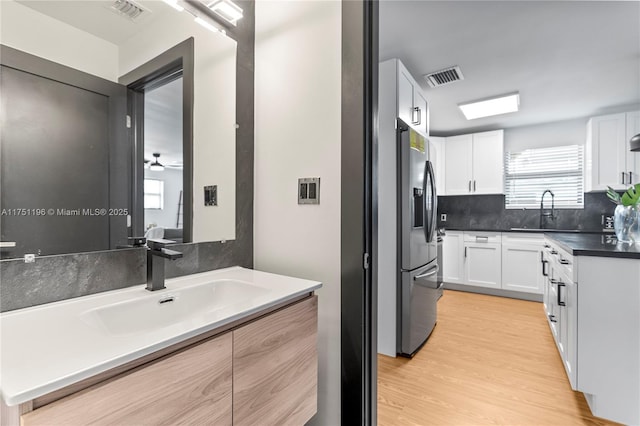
point(214, 132)
point(168, 216)
point(25, 29)
point(570, 132)
point(297, 134)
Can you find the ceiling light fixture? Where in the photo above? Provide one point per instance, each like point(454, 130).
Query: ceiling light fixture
point(502, 104)
point(227, 10)
point(208, 25)
point(174, 4)
point(156, 166)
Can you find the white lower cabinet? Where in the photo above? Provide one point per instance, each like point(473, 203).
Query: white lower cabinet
point(482, 260)
point(561, 306)
point(494, 260)
point(452, 248)
point(521, 262)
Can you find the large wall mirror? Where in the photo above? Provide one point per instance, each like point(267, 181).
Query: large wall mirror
point(94, 143)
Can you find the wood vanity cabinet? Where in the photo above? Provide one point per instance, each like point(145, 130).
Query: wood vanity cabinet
point(260, 372)
point(275, 368)
point(192, 386)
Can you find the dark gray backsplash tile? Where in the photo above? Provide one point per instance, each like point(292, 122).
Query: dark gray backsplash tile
point(54, 278)
point(488, 212)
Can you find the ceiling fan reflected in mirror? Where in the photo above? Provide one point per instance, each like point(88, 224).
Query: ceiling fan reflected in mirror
point(156, 166)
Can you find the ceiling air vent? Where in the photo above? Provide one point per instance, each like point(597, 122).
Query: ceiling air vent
point(128, 8)
point(445, 76)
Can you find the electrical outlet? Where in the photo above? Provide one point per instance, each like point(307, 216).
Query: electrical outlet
point(29, 258)
point(443, 217)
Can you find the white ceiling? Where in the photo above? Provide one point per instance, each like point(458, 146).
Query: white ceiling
point(568, 59)
point(96, 17)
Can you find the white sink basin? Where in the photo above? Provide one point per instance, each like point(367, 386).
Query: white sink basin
point(171, 308)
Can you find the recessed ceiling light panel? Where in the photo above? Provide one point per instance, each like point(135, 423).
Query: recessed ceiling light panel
point(226, 9)
point(502, 104)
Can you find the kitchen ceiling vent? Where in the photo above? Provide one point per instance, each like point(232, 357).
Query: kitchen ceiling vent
point(129, 9)
point(445, 76)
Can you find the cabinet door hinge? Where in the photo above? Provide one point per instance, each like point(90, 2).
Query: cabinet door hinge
point(128, 121)
point(365, 262)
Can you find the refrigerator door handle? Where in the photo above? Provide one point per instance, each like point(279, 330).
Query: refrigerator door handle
point(432, 271)
point(426, 227)
point(430, 226)
point(434, 201)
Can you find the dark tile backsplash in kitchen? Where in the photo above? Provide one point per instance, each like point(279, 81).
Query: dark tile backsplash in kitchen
point(488, 212)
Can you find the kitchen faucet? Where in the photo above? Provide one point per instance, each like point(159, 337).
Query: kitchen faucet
point(156, 256)
point(544, 217)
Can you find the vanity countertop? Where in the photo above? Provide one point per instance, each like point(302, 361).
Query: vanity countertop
point(595, 245)
point(47, 347)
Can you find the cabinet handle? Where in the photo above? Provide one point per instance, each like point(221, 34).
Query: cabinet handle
point(465, 252)
point(552, 318)
point(544, 268)
point(419, 115)
point(623, 173)
point(564, 261)
point(560, 285)
point(547, 246)
point(630, 177)
point(474, 186)
point(469, 186)
point(553, 251)
point(480, 239)
point(552, 281)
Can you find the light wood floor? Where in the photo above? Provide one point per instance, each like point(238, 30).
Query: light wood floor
point(489, 360)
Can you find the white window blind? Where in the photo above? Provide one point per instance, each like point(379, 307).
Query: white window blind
point(529, 173)
point(153, 194)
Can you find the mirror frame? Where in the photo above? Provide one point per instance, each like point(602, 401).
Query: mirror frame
point(167, 63)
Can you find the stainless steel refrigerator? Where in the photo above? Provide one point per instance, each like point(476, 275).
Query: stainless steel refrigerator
point(417, 241)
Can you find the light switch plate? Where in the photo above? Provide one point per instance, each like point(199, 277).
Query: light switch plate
point(211, 195)
point(309, 190)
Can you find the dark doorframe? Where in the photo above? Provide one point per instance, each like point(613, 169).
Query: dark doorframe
point(359, 138)
point(175, 62)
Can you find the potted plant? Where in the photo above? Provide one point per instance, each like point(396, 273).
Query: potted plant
point(626, 217)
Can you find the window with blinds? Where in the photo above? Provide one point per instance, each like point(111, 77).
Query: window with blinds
point(529, 173)
point(153, 194)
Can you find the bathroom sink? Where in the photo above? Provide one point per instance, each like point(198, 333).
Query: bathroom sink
point(168, 308)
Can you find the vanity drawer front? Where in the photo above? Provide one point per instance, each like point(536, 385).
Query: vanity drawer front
point(275, 367)
point(192, 386)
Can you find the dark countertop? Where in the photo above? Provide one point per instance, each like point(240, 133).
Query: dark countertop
point(595, 245)
point(531, 230)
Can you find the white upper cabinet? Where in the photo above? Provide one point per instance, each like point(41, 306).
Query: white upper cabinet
point(633, 158)
point(405, 96)
point(488, 162)
point(474, 163)
point(412, 105)
point(458, 167)
point(436, 156)
point(608, 159)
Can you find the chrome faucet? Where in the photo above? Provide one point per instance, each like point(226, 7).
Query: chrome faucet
point(156, 256)
point(544, 217)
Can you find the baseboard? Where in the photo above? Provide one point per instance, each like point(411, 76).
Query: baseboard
point(494, 292)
